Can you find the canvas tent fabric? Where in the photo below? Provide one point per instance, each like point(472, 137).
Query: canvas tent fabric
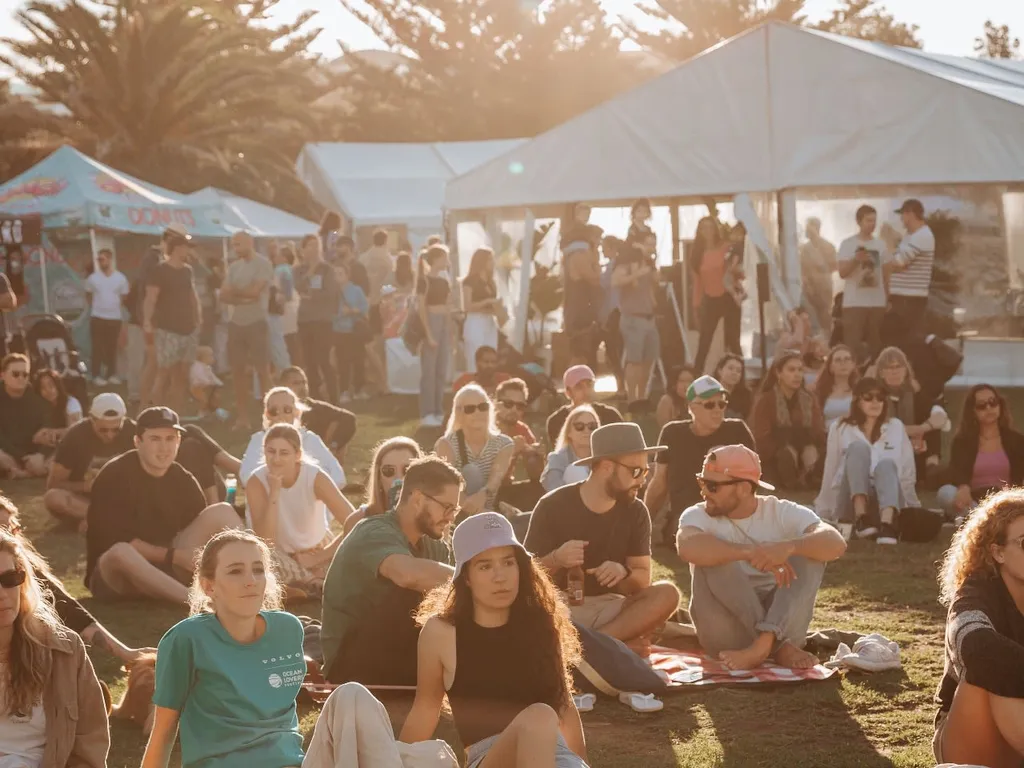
point(779, 107)
point(259, 220)
point(70, 189)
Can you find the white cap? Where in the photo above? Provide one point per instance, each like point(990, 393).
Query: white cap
point(108, 405)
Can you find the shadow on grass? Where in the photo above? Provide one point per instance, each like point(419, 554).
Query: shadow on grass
point(617, 736)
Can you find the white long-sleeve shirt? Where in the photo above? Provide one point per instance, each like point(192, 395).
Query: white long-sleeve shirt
point(313, 450)
point(893, 443)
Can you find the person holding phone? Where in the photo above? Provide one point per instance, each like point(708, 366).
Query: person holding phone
point(861, 257)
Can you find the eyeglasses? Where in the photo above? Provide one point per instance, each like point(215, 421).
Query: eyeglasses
point(286, 410)
point(635, 472)
point(390, 470)
point(872, 397)
point(985, 405)
point(450, 510)
point(713, 486)
point(713, 404)
point(12, 579)
point(589, 426)
point(483, 407)
point(518, 405)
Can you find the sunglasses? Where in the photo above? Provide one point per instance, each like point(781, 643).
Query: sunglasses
point(713, 486)
point(519, 406)
point(12, 579)
point(872, 397)
point(286, 410)
point(18, 374)
point(985, 405)
point(390, 470)
point(483, 407)
point(635, 472)
point(712, 405)
point(589, 426)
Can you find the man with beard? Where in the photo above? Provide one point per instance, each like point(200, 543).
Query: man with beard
point(486, 374)
point(379, 576)
point(602, 526)
point(756, 564)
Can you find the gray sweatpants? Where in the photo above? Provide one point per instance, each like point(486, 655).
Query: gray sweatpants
point(858, 480)
point(728, 612)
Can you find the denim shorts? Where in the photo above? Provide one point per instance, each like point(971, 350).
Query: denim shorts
point(640, 338)
point(564, 757)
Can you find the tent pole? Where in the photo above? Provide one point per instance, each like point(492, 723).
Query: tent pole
point(789, 243)
point(677, 243)
point(523, 313)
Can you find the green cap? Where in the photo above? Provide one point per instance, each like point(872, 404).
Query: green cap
point(704, 388)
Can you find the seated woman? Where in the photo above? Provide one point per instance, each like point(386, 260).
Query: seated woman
point(387, 471)
point(58, 717)
point(833, 388)
point(213, 668)
point(981, 697)
point(672, 405)
point(473, 445)
point(788, 428)
point(66, 410)
point(282, 406)
point(499, 605)
point(987, 453)
point(731, 372)
point(573, 444)
point(288, 503)
point(869, 458)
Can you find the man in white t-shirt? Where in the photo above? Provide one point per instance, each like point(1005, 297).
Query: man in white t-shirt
point(756, 563)
point(105, 290)
point(910, 272)
point(861, 260)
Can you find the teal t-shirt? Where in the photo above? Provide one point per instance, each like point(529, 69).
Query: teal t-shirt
point(236, 702)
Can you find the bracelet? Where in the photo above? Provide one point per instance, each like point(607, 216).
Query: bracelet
point(169, 559)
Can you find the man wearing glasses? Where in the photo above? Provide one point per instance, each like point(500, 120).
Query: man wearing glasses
point(379, 576)
point(511, 399)
point(24, 438)
point(85, 448)
point(756, 564)
point(601, 525)
point(675, 474)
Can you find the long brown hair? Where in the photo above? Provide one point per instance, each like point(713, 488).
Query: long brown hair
point(969, 428)
point(771, 379)
point(970, 552)
point(206, 568)
point(477, 264)
point(825, 382)
point(857, 417)
point(376, 493)
point(538, 614)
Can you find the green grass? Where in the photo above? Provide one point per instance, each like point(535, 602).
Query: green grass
point(847, 722)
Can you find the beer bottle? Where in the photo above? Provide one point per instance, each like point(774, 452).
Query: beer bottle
point(575, 585)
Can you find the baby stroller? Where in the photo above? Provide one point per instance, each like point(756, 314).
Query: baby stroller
point(49, 344)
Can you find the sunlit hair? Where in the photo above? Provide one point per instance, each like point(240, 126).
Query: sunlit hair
point(512, 385)
point(481, 264)
point(857, 417)
point(299, 407)
point(11, 358)
point(60, 405)
point(206, 569)
point(890, 357)
point(970, 552)
point(538, 615)
point(456, 420)
point(771, 380)
point(826, 380)
point(308, 239)
point(969, 427)
point(376, 493)
point(36, 624)
point(286, 432)
point(575, 413)
point(673, 385)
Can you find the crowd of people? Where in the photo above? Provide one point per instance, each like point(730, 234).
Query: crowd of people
point(494, 544)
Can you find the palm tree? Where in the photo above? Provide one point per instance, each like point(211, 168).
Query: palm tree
point(183, 95)
point(26, 133)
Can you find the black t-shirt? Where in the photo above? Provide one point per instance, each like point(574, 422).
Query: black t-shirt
point(128, 503)
point(321, 416)
point(81, 449)
point(20, 419)
point(685, 456)
point(174, 311)
point(561, 516)
point(480, 289)
point(435, 290)
point(196, 454)
point(137, 292)
point(606, 414)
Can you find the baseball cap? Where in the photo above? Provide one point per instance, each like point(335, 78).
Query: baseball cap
point(911, 205)
point(736, 461)
point(704, 388)
point(108, 405)
point(575, 375)
point(157, 417)
point(174, 229)
point(479, 533)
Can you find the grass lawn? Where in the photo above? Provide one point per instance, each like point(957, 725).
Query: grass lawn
point(845, 722)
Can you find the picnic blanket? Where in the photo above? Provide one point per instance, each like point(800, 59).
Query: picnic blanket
point(686, 669)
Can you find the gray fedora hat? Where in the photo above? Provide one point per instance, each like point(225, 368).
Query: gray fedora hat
point(613, 440)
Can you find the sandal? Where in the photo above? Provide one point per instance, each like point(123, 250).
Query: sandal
point(642, 702)
point(585, 702)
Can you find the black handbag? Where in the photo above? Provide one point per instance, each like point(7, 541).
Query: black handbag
point(919, 525)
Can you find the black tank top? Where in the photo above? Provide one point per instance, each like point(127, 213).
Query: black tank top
point(495, 679)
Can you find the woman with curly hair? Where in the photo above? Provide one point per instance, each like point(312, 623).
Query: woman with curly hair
point(981, 697)
point(499, 605)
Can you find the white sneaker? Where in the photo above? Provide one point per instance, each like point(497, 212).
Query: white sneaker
point(430, 421)
point(345, 398)
point(114, 381)
point(99, 381)
point(847, 530)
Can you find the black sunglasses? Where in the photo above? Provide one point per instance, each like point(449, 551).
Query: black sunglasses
point(12, 579)
point(519, 406)
point(985, 405)
point(482, 407)
point(712, 486)
point(872, 397)
point(712, 405)
point(590, 426)
point(635, 472)
point(19, 374)
point(286, 410)
point(390, 470)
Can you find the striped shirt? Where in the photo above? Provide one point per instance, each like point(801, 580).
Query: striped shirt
point(917, 252)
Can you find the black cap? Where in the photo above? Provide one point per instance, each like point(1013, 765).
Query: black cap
point(158, 417)
point(912, 206)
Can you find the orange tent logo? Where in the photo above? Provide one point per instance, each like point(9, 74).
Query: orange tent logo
point(34, 188)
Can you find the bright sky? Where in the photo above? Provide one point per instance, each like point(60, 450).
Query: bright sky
point(947, 26)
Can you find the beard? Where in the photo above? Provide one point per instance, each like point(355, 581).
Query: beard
point(621, 495)
point(426, 526)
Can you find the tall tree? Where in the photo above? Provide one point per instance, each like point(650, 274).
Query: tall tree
point(867, 20)
point(997, 43)
point(27, 133)
point(479, 69)
point(181, 94)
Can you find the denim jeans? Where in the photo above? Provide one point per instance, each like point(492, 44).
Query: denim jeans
point(434, 363)
point(882, 484)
